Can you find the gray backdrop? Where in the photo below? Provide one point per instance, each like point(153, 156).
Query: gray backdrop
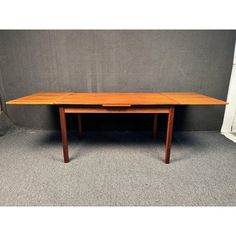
point(148, 61)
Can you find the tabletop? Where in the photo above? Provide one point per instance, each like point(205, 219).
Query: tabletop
point(113, 99)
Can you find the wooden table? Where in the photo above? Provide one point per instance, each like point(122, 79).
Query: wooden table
point(148, 103)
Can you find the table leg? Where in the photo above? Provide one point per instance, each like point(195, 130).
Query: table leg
point(64, 134)
point(80, 125)
point(154, 132)
point(169, 134)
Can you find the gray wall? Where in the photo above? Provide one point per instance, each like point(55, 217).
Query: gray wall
point(35, 61)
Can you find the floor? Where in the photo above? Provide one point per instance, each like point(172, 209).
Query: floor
point(116, 169)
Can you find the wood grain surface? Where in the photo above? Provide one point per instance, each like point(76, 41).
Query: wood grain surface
point(117, 99)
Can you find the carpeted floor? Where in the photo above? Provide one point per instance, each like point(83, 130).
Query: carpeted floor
point(116, 169)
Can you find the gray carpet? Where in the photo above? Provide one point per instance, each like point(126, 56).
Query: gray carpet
point(116, 169)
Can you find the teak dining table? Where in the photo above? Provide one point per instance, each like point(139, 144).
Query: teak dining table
point(148, 103)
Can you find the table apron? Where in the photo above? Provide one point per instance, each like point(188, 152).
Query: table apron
point(115, 109)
